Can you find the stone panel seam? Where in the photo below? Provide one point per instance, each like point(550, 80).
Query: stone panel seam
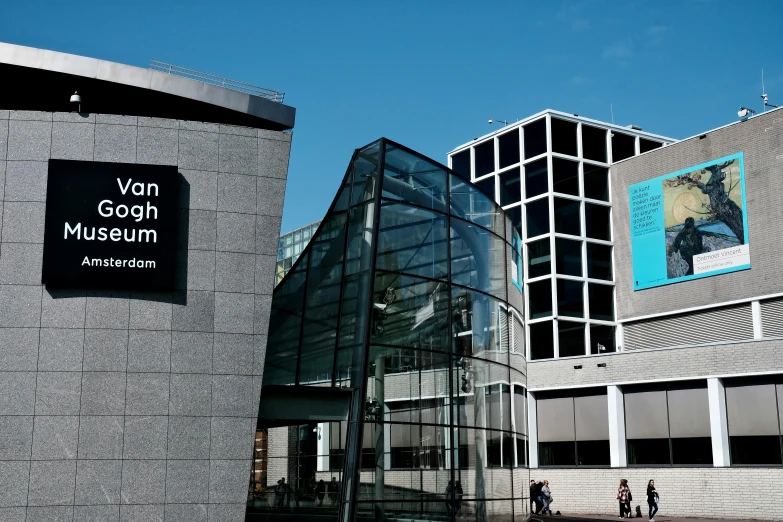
point(212, 369)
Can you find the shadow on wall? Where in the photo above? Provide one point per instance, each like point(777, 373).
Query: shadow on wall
point(179, 294)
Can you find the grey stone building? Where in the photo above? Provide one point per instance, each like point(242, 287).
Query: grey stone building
point(134, 405)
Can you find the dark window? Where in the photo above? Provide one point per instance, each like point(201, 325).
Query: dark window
point(593, 143)
point(648, 145)
point(596, 182)
point(487, 187)
point(538, 258)
point(692, 451)
point(508, 145)
point(568, 257)
point(540, 299)
point(536, 178)
point(567, 220)
point(601, 338)
point(564, 137)
point(597, 222)
point(541, 344)
point(599, 261)
point(571, 338)
point(649, 452)
point(570, 301)
point(460, 163)
point(601, 301)
point(535, 138)
point(593, 452)
point(556, 453)
point(623, 146)
point(565, 176)
point(515, 215)
point(755, 450)
point(485, 158)
point(510, 187)
point(537, 217)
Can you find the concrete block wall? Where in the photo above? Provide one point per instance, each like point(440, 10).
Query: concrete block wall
point(137, 406)
point(734, 493)
point(761, 140)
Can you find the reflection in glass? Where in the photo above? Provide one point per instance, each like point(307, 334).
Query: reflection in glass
point(570, 338)
point(412, 178)
point(567, 218)
point(540, 298)
point(596, 182)
point(514, 215)
point(510, 187)
point(570, 301)
point(597, 221)
point(599, 261)
point(541, 344)
point(563, 136)
point(538, 258)
point(508, 148)
point(568, 257)
point(601, 301)
point(593, 144)
point(480, 324)
point(364, 173)
point(485, 158)
point(601, 338)
point(537, 217)
point(565, 176)
point(536, 181)
point(413, 241)
point(478, 258)
point(535, 138)
point(469, 203)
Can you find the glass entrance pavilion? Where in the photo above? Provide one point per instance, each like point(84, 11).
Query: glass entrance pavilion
point(394, 370)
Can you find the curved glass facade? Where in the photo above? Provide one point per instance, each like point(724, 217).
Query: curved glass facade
point(408, 299)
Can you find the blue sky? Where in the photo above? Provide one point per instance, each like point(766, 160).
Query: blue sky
point(430, 74)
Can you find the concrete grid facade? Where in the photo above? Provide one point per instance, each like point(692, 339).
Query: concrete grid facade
point(129, 406)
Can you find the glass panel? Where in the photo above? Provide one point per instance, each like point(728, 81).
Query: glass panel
point(758, 450)
point(306, 234)
point(411, 178)
point(596, 182)
point(646, 416)
point(460, 163)
point(470, 203)
point(568, 257)
point(297, 237)
point(480, 325)
point(540, 294)
point(623, 146)
point(564, 137)
point(648, 145)
point(567, 217)
point(649, 452)
point(565, 176)
point(535, 138)
point(536, 180)
point(413, 241)
point(689, 412)
point(358, 254)
point(571, 338)
point(510, 187)
point(537, 217)
point(601, 338)
point(353, 321)
point(487, 187)
point(364, 173)
point(752, 410)
point(541, 344)
point(520, 409)
point(410, 312)
point(695, 451)
point(555, 419)
point(601, 301)
point(285, 322)
point(508, 148)
point(478, 258)
point(538, 258)
point(569, 298)
point(485, 157)
point(515, 216)
point(599, 261)
point(592, 417)
point(593, 453)
point(593, 143)
point(557, 453)
point(597, 222)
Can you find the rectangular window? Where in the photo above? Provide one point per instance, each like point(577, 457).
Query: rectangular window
point(564, 137)
point(597, 222)
point(485, 158)
point(648, 145)
point(754, 422)
point(541, 344)
point(567, 217)
point(599, 261)
point(535, 138)
point(537, 217)
point(508, 148)
point(573, 430)
point(596, 182)
point(570, 301)
point(487, 187)
point(623, 146)
point(510, 187)
point(460, 163)
point(571, 338)
point(593, 144)
point(601, 338)
point(556, 432)
point(565, 176)
point(568, 257)
point(601, 298)
point(538, 258)
point(536, 181)
point(540, 294)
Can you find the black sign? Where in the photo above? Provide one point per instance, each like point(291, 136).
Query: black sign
point(110, 225)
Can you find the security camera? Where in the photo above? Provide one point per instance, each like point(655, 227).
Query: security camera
point(490, 122)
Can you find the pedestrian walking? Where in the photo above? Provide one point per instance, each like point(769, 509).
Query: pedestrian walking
point(333, 491)
point(652, 499)
point(624, 497)
point(320, 491)
point(546, 496)
point(450, 497)
point(535, 497)
point(280, 490)
point(458, 496)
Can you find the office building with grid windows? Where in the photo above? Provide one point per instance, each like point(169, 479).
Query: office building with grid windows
point(291, 245)
point(653, 306)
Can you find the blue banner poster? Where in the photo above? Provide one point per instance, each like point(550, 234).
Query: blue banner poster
point(690, 224)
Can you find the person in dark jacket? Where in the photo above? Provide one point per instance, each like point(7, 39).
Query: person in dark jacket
point(652, 499)
point(280, 492)
point(689, 242)
point(536, 501)
point(458, 496)
point(320, 491)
